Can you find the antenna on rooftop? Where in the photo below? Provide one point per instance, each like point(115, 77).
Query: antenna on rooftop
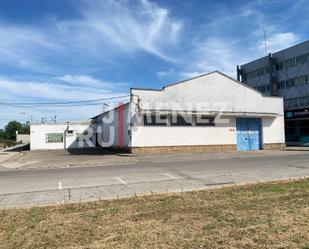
point(43, 120)
point(54, 119)
point(265, 40)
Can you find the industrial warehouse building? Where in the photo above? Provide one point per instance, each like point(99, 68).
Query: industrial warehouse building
point(68, 135)
point(211, 112)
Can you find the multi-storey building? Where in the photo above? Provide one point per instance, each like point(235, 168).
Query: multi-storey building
point(286, 74)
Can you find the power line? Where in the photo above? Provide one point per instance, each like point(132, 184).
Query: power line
point(62, 104)
point(66, 102)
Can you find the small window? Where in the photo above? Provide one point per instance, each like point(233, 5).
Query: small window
point(202, 120)
point(279, 66)
point(302, 80)
point(305, 59)
point(54, 138)
point(281, 84)
point(299, 60)
point(290, 83)
point(291, 103)
point(179, 120)
point(155, 120)
point(70, 132)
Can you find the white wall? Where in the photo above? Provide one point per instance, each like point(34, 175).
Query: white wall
point(212, 92)
point(207, 94)
point(273, 130)
point(38, 136)
point(22, 138)
point(143, 136)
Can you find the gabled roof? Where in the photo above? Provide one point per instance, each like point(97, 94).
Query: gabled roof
point(200, 76)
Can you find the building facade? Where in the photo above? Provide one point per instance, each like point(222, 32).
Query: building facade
point(69, 135)
point(285, 74)
point(212, 112)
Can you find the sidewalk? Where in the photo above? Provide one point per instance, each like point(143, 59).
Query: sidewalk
point(5, 156)
point(297, 148)
point(9, 156)
point(53, 159)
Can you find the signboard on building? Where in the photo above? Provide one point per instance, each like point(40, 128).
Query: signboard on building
point(295, 114)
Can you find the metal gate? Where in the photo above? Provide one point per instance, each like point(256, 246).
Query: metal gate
point(248, 134)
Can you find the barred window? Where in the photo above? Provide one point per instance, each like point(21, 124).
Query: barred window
point(54, 138)
point(155, 120)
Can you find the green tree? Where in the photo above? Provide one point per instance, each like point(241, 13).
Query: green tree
point(2, 134)
point(11, 128)
point(25, 129)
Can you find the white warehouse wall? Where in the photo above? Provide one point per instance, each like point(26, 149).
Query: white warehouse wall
point(208, 94)
point(38, 134)
point(143, 136)
point(212, 92)
point(273, 130)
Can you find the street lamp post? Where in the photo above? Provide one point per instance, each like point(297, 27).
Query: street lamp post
point(28, 115)
point(104, 106)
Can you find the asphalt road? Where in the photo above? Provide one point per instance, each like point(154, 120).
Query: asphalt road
point(43, 186)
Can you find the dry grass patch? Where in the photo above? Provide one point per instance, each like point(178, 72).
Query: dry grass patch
point(274, 215)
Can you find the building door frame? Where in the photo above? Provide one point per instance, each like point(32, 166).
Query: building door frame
point(249, 134)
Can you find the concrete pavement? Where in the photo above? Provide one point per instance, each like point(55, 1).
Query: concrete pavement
point(156, 174)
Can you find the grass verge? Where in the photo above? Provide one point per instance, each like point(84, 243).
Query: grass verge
point(273, 215)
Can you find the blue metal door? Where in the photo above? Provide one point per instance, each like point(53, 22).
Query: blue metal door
point(248, 134)
point(242, 134)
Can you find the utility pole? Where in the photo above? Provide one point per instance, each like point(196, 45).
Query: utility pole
point(53, 119)
point(28, 115)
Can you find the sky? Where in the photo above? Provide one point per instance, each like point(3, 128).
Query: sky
point(71, 50)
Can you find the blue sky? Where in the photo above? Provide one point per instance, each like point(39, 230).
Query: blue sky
point(70, 50)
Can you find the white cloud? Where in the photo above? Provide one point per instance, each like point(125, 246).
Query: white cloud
point(191, 74)
point(24, 47)
point(215, 54)
point(146, 27)
point(166, 73)
point(105, 30)
point(53, 91)
point(37, 91)
point(278, 42)
point(89, 81)
point(108, 35)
